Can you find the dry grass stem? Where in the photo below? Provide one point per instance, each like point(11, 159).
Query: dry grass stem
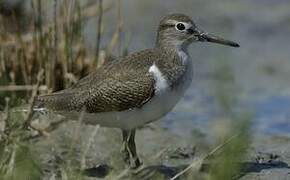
point(88, 145)
point(99, 29)
point(28, 120)
point(198, 163)
point(119, 28)
point(122, 174)
point(42, 88)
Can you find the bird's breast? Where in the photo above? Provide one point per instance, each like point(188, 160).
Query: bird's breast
point(184, 79)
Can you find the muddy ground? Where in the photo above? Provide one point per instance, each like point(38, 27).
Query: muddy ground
point(97, 151)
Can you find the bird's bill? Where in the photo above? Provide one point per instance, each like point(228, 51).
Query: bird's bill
point(215, 39)
point(205, 37)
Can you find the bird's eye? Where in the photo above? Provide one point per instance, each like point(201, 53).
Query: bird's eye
point(180, 26)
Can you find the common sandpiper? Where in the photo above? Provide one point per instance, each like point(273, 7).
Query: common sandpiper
point(137, 89)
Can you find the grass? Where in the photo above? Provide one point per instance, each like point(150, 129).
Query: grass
point(50, 56)
point(56, 46)
point(17, 158)
point(226, 164)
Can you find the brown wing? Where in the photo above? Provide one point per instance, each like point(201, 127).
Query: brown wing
point(116, 95)
point(110, 95)
point(119, 86)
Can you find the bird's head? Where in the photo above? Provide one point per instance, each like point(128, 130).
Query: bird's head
point(178, 31)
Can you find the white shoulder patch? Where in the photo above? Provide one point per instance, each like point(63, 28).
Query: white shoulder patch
point(161, 83)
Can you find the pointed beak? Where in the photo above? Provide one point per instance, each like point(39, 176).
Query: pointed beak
point(205, 37)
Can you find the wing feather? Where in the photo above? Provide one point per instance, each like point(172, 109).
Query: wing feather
point(118, 86)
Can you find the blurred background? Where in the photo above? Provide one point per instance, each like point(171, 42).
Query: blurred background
point(69, 39)
point(259, 69)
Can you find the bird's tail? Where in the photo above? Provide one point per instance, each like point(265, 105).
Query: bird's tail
point(55, 102)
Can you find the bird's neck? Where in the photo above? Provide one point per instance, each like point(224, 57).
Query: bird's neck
point(173, 50)
point(170, 44)
point(165, 40)
point(174, 64)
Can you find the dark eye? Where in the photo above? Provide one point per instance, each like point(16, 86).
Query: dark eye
point(180, 26)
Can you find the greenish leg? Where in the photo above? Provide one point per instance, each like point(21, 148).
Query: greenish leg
point(129, 148)
point(124, 149)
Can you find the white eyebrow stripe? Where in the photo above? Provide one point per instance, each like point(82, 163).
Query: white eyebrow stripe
point(170, 21)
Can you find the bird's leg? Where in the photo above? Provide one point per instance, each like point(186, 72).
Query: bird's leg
point(124, 149)
point(135, 162)
point(129, 148)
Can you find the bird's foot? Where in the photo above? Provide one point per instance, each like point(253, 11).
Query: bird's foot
point(132, 162)
point(135, 163)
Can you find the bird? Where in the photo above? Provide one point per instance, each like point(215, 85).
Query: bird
point(137, 89)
